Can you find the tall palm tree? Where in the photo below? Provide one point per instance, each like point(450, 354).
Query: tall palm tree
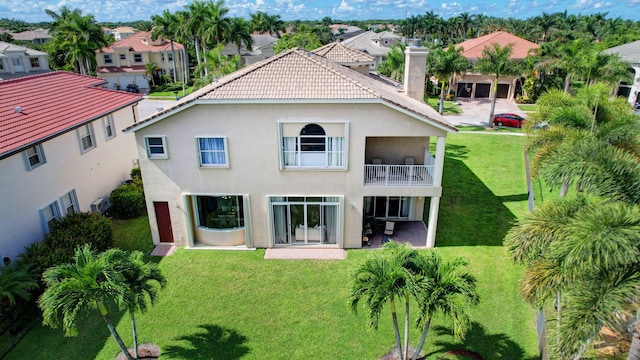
point(445, 288)
point(90, 282)
point(393, 66)
point(217, 65)
point(150, 70)
point(165, 26)
point(445, 65)
point(143, 279)
point(191, 22)
point(381, 279)
point(496, 61)
point(240, 33)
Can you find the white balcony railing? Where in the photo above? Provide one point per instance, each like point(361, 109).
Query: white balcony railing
point(398, 175)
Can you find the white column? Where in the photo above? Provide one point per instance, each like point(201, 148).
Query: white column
point(635, 86)
point(434, 206)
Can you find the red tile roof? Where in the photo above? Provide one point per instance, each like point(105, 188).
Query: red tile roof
point(51, 104)
point(137, 43)
point(473, 48)
point(113, 69)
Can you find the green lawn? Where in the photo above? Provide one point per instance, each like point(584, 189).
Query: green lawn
point(450, 108)
point(170, 94)
point(236, 305)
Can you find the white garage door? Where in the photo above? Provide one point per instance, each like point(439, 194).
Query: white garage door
point(111, 81)
point(125, 80)
point(142, 82)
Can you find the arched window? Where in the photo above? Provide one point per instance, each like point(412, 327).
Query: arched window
point(312, 147)
point(312, 138)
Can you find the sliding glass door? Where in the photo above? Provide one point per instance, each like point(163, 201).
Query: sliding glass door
point(305, 220)
point(388, 207)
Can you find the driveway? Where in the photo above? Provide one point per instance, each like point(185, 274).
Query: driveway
point(147, 107)
point(476, 111)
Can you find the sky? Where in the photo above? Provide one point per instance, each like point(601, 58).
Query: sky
point(131, 10)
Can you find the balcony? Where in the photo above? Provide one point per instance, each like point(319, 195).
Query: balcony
point(398, 175)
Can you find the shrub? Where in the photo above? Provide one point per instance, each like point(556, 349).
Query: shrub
point(65, 236)
point(127, 202)
point(524, 100)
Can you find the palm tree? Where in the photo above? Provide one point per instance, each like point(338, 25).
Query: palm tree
point(165, 26)
point(445, 65)
point(393, 66)
point(142, 279)
point(217, 65)
point(90, 282)
point(150, 70)
point(378, 281)
point(191, 22)
point(495, 60)
point(16, 283)
point(446, 288)
point(586, 249)
point(263, 22)
point(240, 33)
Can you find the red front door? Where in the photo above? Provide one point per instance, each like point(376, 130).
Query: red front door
point(164, 221)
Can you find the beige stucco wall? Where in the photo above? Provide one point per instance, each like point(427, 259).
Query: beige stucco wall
point(93, 174)
point(252, 134)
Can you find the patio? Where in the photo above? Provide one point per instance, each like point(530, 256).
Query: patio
point(406, 232)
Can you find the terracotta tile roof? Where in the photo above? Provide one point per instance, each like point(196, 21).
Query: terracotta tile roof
point(52, 104)
point(298, 75)
point(366, 42)
point(341, 54)
point(114, 69)
point(141, 42)
point(473, 48)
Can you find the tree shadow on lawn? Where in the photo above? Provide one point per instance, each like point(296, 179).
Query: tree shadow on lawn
point(470, 213)
point(209, 342)
point(489, 346)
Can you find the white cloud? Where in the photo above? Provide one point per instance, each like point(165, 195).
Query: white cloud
point(344, 6)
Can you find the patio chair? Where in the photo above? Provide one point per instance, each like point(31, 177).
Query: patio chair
point(388, 228)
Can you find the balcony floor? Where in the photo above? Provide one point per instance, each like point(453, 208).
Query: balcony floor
point(406, 232)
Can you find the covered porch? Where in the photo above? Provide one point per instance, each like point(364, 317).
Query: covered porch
point(405, 232)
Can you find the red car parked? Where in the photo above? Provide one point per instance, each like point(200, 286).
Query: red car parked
point(512, 120)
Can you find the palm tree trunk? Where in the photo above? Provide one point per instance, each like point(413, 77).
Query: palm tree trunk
point(112, 329)
point(134, 331)
point(406, 326)
point(441, 104)
point(634, 350)
point(493, 101)
point(425, 330)
point(173, 57)
point(567, 83)
point(394, 316)
point(564, 189)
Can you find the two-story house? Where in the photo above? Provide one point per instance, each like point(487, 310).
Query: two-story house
point(17, 61)
point(261, 48)
point(296, 150)
point(630, 53)
point(125, 61)
point(61, 151)
point(475, 85)
point(37, 36)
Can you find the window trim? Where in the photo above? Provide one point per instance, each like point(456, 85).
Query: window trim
point(165, 153)
point(226, 152)
point(74, 203)
point(55, 210)
point(39, 152)
point(107, 59)
point(345, 146)
point(89, 134)
point(107, 122)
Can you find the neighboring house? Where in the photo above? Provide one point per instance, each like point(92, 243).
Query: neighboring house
point(375, 44)
point(475, 85)
point(342, 32)
point(37, 36)
point(261, 48)
point(354, 59)
point(630, 53)
point(295, 150)
point(17, 61)
point(122, 32)
point(124, 62)
point(61, 151)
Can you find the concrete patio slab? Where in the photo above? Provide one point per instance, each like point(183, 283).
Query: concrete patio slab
point(163, 250)
point(305, 254)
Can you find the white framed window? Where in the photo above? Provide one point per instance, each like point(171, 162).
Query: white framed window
point(123, 57)
point(109, 127)
point(108, 59)
point(313, 146)
point(48, 215)
point(137, 58)
point(170, 57)
point(35, 62)
point(34, 156)
point(87, 139)
point(69, 203)
point(16, 61)
point(156, 147)
point(212, 151)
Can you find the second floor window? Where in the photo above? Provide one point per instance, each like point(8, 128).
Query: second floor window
point(109, 128)
point(108, 59)
point(170, 56)
point(137, 58)
point(35, 62)
point(212, 151)
point(35, 156)
point(313, 148)
point(87, 141)
point(156, 147)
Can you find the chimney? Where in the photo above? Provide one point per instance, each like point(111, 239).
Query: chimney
point(415, 63)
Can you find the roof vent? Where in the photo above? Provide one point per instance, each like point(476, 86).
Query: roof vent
point(18, 109)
